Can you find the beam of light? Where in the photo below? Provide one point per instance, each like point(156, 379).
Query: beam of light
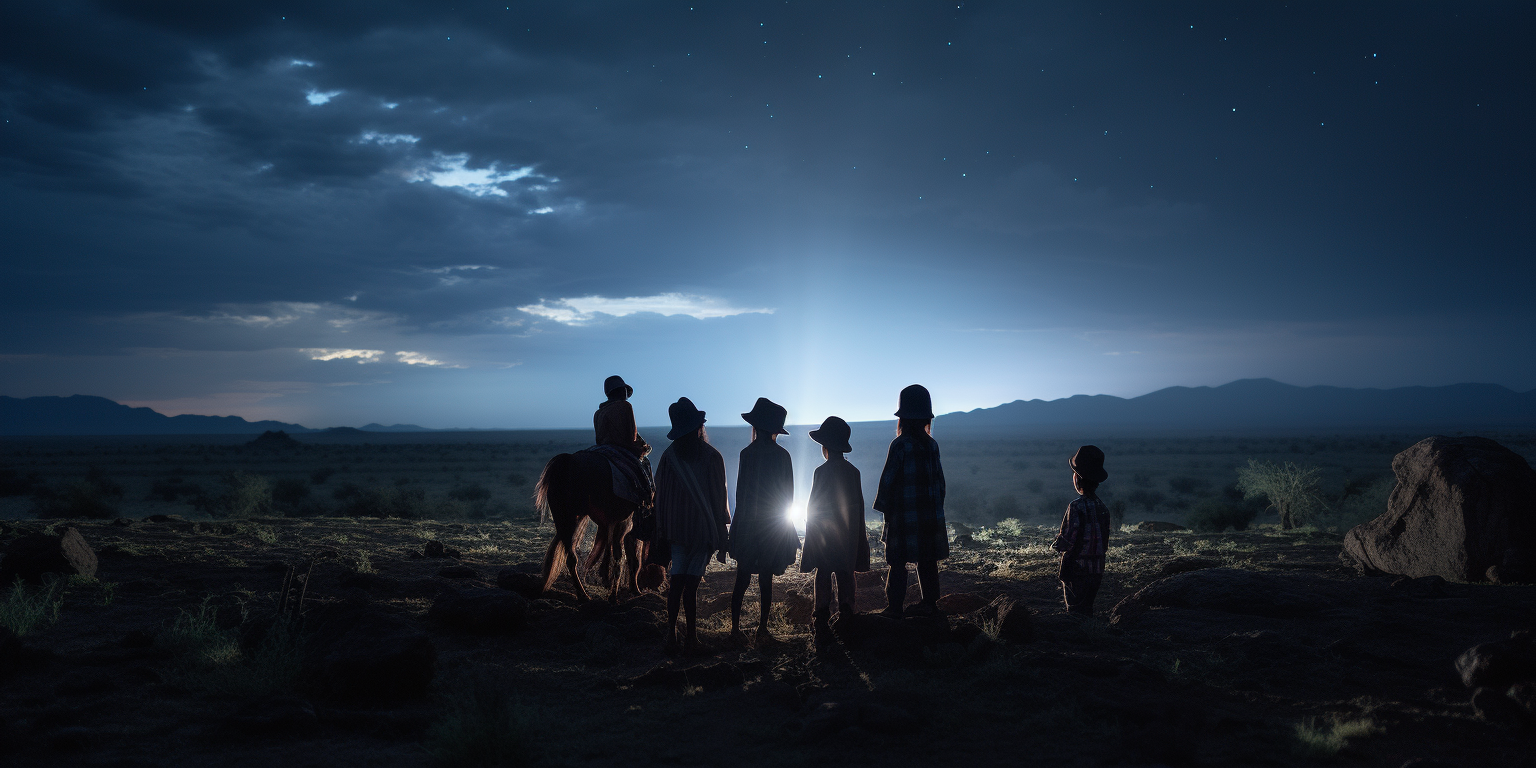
point(797, 514)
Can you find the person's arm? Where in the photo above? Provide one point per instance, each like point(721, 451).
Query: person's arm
point(721, 503)
point(1068, 538)
point(891, 477)
point(938, 469)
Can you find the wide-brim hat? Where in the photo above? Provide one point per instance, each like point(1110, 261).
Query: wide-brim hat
point(834, 434)
point(615, 382)
point(767, 416)
point(915, 403)
point(685, 418)
point(1088, 463)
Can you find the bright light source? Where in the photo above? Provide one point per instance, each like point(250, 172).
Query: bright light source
point(796, 514)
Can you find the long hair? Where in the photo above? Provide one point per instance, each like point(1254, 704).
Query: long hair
point(913, 426)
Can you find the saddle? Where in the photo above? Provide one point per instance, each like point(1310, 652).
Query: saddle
point(632, 480)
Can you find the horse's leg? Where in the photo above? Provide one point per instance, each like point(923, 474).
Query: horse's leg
point(570, 559)
point(613, 561)
point(632, 560)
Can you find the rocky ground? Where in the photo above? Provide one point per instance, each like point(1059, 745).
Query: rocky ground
point(1252, 648)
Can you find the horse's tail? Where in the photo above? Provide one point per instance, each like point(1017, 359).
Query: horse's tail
point(559, 466)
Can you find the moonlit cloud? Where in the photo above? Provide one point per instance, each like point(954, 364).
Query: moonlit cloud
point(451, 171)
point(582, 310)
point(274, 315)
point(301, 63)
point(385, 139)
point(317, 98)
point(360, 355)
point(417, 358)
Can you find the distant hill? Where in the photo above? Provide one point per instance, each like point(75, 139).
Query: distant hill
point(1264, 404)
point(396, 428)
point(87, 415)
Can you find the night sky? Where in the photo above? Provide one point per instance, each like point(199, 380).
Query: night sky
point(468, 216)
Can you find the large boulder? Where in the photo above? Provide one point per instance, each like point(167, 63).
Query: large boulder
point(1461, 506)
point(35, 554)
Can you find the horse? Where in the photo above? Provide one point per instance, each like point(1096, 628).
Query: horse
point(574, 490)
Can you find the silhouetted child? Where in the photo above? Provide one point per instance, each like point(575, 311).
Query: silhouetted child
point(835, 541)
point(763, 538)
point(691, 513)
point(1084, 536)
point(911, 497)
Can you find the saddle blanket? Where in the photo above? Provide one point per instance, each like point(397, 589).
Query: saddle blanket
point(631, 474)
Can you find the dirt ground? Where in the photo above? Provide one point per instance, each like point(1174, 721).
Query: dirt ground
point(1295, 661)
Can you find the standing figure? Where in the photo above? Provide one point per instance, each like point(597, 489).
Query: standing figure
point(1084, 533)
point(911, 496)
point(835, 541)
point(763, 538)
point(691, 513)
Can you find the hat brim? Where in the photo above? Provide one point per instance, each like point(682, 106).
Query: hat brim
point(841, 446)
point(914, 415)
point(1092, 475)
point(778, 430)
point(683, 429)
point(628, 391)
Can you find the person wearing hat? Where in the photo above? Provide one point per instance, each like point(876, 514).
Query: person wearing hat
point(691, 514)
point(911, 496)
point(835, 541)
point(763, 538)
point(1084, 536)
point(614, 421)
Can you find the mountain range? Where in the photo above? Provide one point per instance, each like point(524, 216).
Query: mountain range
point(1244, 405)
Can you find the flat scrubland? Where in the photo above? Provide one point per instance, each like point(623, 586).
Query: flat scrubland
point(1271, 655)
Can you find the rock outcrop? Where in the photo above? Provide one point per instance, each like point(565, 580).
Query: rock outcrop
point(31, 556)
point(1461, 507)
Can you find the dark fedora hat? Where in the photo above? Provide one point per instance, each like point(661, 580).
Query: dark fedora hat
point(915, 403)
point(767, 416)
point(834, 434)
point(685, 418)
point(1088, 463)
point(616, 382)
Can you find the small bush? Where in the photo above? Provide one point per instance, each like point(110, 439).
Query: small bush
point(1216, 515)
point(206, 657)
point(75, 499)
point(482, 725)
point(470, 493)
point(290, 491)
point(1187, 485)
point(25, 607)
point(387, 501)
point(1010, 527)
point(1317, 740)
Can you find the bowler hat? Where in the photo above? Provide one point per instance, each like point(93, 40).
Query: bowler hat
point(685, 418)
point(1088, 463)
point(915, 403)
point(767, 416)
point(615, 382)
point(834, 434)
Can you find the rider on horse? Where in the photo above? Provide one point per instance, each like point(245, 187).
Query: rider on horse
point(619, 440)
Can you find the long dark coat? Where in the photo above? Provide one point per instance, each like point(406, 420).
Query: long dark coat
point(911, 497)
point(763, 539)
point(834, 520)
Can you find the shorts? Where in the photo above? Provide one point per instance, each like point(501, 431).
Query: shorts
point(689, 561)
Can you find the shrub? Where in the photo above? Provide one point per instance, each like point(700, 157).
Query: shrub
point(207, 657)
point(1217, 515)
point(482, 725)
point(75, 499)
point(1187, 485)
point(470, 493)
point(1010, 527)
point(1290, 488)
point(26, 607)
point(387, 501)
point(1316, 740)
point(290, 491)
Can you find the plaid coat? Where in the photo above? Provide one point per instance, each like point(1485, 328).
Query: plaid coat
point(1084, 537)
point(911, 496)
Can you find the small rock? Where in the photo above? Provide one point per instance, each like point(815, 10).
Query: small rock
point(435, 548)
point(961, 602)
point(528, 585)
point(481, 610)
point(1499, 664)
point(1186, 564)
point(122, 522)
point(1523, 694)
point(1158, 526)
point(457, 572)
point(165, 519)
point(1494, 707)
point(31, 556)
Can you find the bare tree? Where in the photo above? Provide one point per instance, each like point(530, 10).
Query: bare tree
point(1290, 489)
